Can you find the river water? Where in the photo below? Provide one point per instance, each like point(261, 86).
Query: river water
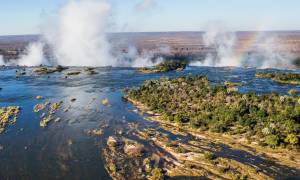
point(64, 150)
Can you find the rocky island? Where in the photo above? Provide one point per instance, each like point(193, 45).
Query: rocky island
point(165, 67)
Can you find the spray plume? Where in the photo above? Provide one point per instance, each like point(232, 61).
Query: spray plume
point(264, 52)
point(268, 54)
point(223, 43)
point(76, 36)
point(1, 61)
point(34, 55)
point(135, 59)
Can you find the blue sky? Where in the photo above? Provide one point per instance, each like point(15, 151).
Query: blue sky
point(26, 16)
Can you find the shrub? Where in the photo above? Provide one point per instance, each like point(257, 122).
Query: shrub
point(218, 127)
point(180, 149)
point(209, 156)
point(291, 139)
point(113, 168)
point(272, 140)
point(293, 92)
point(156, 174)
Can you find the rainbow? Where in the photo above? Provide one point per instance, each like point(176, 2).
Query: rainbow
point(247, 44)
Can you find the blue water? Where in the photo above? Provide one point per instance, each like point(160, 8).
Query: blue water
point(63, 150)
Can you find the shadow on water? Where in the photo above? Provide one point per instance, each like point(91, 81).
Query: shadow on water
point(269, 167)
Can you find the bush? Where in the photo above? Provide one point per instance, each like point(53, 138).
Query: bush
point(209, 156)
point(113, 168)
point(293, 92)
point(180, 150)
point(180, 118)
point(241, 177)
point(272, 140)
point(218, 127)
point(291, 139)
point(156, 174)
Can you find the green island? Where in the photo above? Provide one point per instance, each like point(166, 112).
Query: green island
point(166, 66)
point(45, 70)
point(192, 102)
point(283, 78)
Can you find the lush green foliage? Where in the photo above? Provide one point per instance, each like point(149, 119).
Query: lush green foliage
point(269, 119)
point(165, 67)
point(284, 78)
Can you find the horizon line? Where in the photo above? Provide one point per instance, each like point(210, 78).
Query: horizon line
point(170, 31)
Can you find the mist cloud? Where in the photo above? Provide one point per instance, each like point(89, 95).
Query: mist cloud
point(224, 44)
point(135, 59)
point(34, 55)
point(264, 53)
point(1, 61)
point(268, 55)
point(77, 34)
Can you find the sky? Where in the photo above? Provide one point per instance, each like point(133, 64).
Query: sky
point(27, 16)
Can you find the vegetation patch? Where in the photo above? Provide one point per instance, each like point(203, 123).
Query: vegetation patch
point(91, 71)
point(48, 116)
point(45, 70)
point(156, 174)
point(232, 84)
point(75, 73)
point(194, 102)
point(105, 102)
point(39, 107)
point(39, 97)
point(8, 115)
point(165, 67)
point(95, 132)
point(209, 156)
point(293, 92)
point(283, 78)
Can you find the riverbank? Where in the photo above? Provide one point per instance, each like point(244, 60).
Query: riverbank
point(273, 157)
